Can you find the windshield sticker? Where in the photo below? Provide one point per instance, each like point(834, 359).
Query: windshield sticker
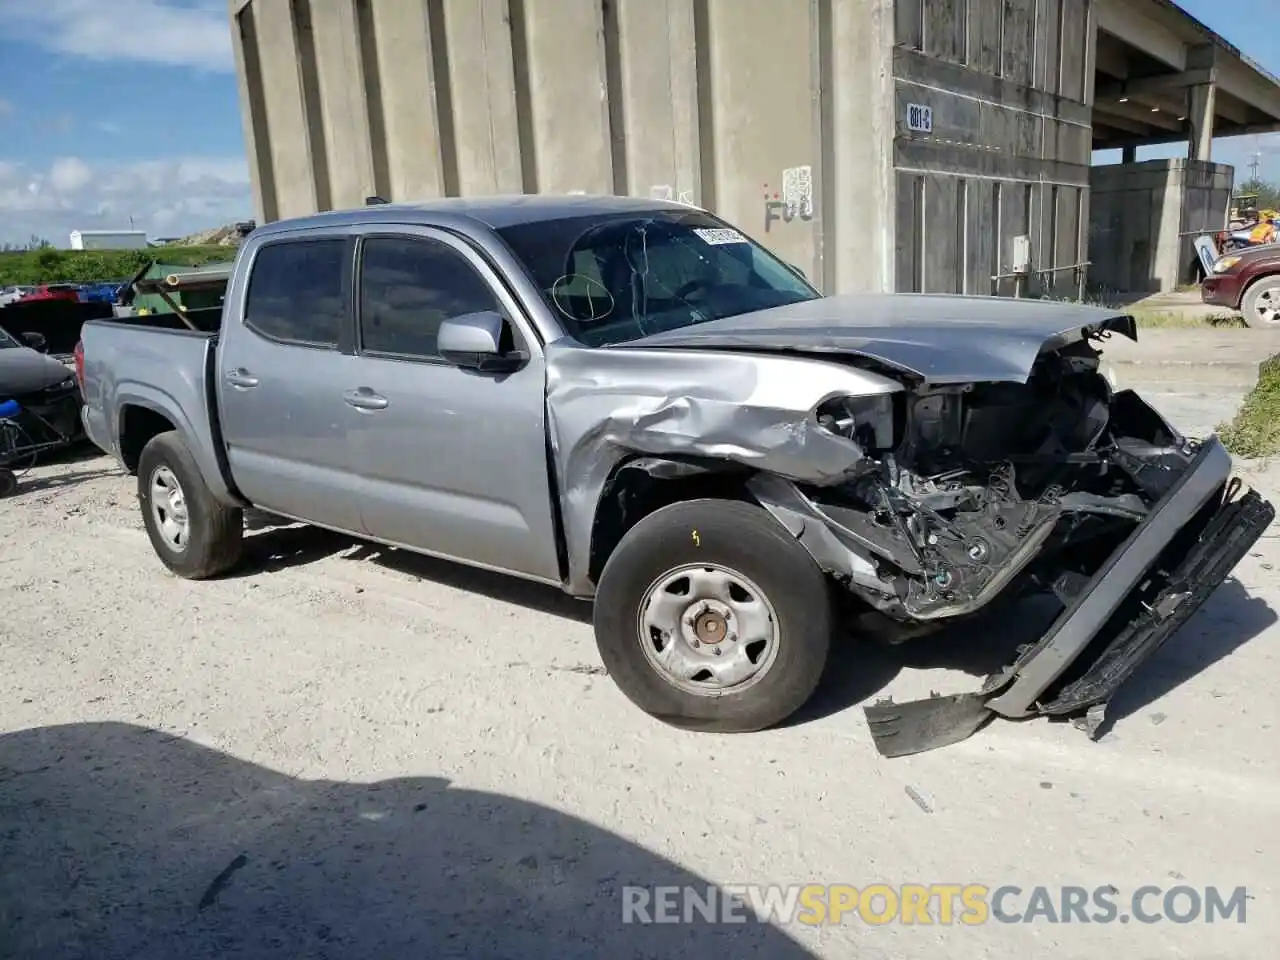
point(717, 236)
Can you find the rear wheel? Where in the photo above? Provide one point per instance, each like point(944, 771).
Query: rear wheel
point(1261, 304)
point(710, 616)
point(193, 534)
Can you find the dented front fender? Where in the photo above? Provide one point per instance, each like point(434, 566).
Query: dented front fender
point(759, 411)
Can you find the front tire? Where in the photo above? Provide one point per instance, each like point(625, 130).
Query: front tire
point(710, 616)
point(193, 534)
point(1261, 304)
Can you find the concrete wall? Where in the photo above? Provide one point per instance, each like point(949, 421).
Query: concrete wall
point(1009, 83)
point(1145, 219)
point(787, 117)
point(774, 113)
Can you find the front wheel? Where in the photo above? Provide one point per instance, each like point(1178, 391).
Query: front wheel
point(1261, 304)
point(710, 616)
point(193, 534)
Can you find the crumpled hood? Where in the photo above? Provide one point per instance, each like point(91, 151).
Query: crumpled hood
point(23, 371)
point(939, 338)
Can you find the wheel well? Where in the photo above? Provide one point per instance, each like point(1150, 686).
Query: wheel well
point(1261, 278)
point(137, 426)
point(640, 487)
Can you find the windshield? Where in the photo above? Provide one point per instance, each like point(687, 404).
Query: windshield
point(7, 341)
point(615, 278)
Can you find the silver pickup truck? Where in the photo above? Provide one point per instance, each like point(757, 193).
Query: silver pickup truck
point(635, 402)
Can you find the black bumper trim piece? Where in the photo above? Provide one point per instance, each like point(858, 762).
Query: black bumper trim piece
point(1107, 589)
point(1234, 529)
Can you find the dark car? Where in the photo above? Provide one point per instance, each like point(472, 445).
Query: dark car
point(1248, 281)
point(45, 389)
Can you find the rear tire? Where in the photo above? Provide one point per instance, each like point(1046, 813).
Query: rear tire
point(1261, 304)
point(193, 534)
point(736, 552)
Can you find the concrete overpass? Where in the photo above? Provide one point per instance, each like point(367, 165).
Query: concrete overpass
point(1162, 76)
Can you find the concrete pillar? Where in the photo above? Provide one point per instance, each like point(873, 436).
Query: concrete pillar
point(407, 78)
point(1129, 155)
point(567, 94)
point(858, 209)
point(1200, 104)
point(343, 107)
point(657, 151)
point(290, 135)
point(253, 113)
point(1200, 100)
point(485, 119)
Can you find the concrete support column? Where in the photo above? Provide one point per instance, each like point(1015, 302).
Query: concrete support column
point(859, 185)
point(1129, 155)
point(1200, 104)
point(1200, 119)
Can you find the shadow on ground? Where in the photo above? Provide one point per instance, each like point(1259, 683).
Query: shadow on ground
point(29, 484)
point(122, 842)
point(858, 670)
point(79, 453)
point(274, 543)
point(1228, 620)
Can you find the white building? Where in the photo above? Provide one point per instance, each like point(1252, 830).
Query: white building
point(108, 239)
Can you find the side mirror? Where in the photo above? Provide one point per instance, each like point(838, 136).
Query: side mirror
point(474, 341)
point(36, 341)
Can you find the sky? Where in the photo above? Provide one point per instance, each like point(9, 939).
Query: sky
point(115, 112)
point(124, 113)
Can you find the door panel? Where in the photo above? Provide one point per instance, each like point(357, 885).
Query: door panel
point(454, 462)
point(286, 427)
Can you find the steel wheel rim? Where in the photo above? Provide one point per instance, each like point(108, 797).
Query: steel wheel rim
point(708, 630)
point(169, 509)
point(1268, 308)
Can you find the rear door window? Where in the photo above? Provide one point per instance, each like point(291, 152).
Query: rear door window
point(296, 292)
point(408, 287)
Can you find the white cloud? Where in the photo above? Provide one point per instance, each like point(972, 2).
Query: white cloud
point(6, 107)
point(191, 33)
point(165, 197)
point(69, 174)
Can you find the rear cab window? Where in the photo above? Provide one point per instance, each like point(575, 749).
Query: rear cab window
point(296, 292)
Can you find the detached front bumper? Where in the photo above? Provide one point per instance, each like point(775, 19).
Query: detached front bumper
point(1150, 585)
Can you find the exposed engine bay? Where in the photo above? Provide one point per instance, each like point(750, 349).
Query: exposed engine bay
point(966, 490)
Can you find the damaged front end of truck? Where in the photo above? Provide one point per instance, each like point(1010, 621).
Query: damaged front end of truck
point(929, 472)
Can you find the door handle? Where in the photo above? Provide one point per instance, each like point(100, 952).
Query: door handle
point(240, 377)
point(365, 399)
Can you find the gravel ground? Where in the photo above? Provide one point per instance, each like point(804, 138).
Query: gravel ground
point(350, 752)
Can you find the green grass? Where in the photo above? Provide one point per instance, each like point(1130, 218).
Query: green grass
point(83, 266)
point(1173, 320)
point(1255, 432)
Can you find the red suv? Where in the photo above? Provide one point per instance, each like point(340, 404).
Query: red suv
point(1248, 281)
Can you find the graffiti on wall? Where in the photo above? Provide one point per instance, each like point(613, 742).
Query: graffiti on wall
point(794, 200)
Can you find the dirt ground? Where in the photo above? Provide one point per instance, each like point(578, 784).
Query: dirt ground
point(350, 752)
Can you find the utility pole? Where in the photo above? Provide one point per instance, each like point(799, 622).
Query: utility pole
point(1255, 165)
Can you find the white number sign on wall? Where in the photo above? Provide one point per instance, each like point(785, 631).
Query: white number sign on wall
point(919, 118)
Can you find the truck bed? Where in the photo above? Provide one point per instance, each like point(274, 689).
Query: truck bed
point(141, 370)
